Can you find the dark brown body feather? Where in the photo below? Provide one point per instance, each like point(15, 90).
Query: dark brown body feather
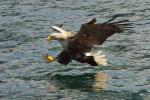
point(90, 34)
point(65, 57)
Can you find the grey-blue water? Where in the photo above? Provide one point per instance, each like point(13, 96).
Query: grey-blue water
point(24, 25)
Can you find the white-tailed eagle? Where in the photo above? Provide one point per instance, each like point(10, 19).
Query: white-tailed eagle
point(78, 46)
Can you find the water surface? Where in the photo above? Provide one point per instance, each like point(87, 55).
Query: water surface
point(24, 25)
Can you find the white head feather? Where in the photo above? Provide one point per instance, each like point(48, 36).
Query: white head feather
point(63, 34)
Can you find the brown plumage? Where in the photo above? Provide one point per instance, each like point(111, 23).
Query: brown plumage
point(90, 34)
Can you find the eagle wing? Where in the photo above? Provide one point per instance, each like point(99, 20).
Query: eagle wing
point(91, 34)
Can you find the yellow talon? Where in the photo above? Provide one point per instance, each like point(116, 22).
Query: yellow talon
point(48, 58)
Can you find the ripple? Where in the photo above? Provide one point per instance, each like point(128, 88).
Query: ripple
point(3, 62)
point(23, 27)
point(116, 48)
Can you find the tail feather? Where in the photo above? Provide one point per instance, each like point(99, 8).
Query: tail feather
point(92, 58)
point(98, 57)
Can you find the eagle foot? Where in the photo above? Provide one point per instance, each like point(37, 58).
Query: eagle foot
point(48, 58)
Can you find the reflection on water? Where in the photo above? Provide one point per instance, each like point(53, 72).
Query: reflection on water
point(87, 81)
point(100, 81)
point(104, 84)
point(50, 87)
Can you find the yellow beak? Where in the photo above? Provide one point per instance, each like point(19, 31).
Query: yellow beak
point(48, 58)
point(50, 38)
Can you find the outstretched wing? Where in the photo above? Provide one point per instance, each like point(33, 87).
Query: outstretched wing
point(91, 34)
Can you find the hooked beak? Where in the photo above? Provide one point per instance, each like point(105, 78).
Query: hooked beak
point(50, 38)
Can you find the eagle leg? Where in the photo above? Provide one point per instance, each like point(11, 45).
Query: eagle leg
point(64, 58)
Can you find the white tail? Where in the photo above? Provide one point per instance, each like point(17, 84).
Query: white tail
point(98, 57)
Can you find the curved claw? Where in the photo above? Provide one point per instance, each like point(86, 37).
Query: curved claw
point(48, 58)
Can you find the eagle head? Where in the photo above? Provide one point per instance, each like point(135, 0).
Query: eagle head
point(56, 36)
point(59, 35)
